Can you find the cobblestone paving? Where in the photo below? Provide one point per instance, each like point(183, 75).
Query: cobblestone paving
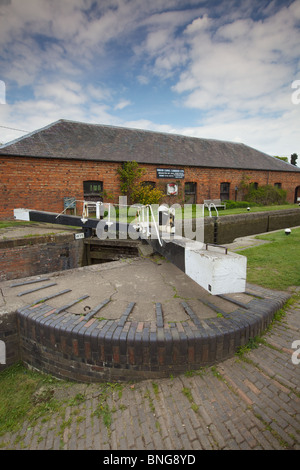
point(248, 403)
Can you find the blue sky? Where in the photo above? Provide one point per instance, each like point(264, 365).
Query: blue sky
point(221, 69)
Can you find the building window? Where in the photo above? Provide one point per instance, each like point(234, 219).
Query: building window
point(224, 191)
point(92, 190)
point(151, 184)
point(190, 193)
point(277, 185)
point(254, 185)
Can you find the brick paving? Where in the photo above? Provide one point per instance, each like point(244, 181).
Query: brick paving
point(244, 403)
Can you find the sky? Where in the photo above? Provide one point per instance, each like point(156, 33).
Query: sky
point(218, 69)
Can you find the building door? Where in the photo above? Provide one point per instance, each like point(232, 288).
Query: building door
point(297, 195)
point(190, 193)
point(224, 191)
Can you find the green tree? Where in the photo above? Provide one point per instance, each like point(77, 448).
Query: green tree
point(285, 159)
point(145, 194)
point(136, 191)
point(266, 195)
point(294, 158)
point(130, 174)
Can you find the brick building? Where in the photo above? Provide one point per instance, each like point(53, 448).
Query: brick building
point(72, 159)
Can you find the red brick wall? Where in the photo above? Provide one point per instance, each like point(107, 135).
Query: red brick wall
point(209, 179)
point(42, 184)
point(39, 255)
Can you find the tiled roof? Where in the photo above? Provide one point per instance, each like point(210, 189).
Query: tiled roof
point(83, 141)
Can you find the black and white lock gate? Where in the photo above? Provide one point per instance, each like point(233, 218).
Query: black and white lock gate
point(213, 267)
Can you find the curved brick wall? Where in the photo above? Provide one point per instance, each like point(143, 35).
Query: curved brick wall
point(82, 349)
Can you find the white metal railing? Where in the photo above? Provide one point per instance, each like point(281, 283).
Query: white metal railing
point(67, 207)
point(143, 215)
point(143, 223)
point(209, 206)
point(149, 211)
point(85, 208)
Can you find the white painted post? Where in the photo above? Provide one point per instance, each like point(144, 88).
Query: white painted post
point(98, 210)
point(2, 353)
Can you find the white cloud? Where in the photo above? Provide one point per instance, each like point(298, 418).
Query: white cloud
point(239, 76)
point(143, 80)
point(198, 25)
point(63, 99)
point(152, 126)
point(2, 92)
point(243, 64)
point(63, 92)
point(99, 92)
point(163, 50)
point(122, 104)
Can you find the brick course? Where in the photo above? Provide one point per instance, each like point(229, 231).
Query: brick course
point(69, 347)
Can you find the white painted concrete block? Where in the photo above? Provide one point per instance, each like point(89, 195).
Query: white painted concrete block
point(216, 272)
point(21, 214)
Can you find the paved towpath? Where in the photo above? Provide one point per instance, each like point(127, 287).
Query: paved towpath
point(249, 403)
